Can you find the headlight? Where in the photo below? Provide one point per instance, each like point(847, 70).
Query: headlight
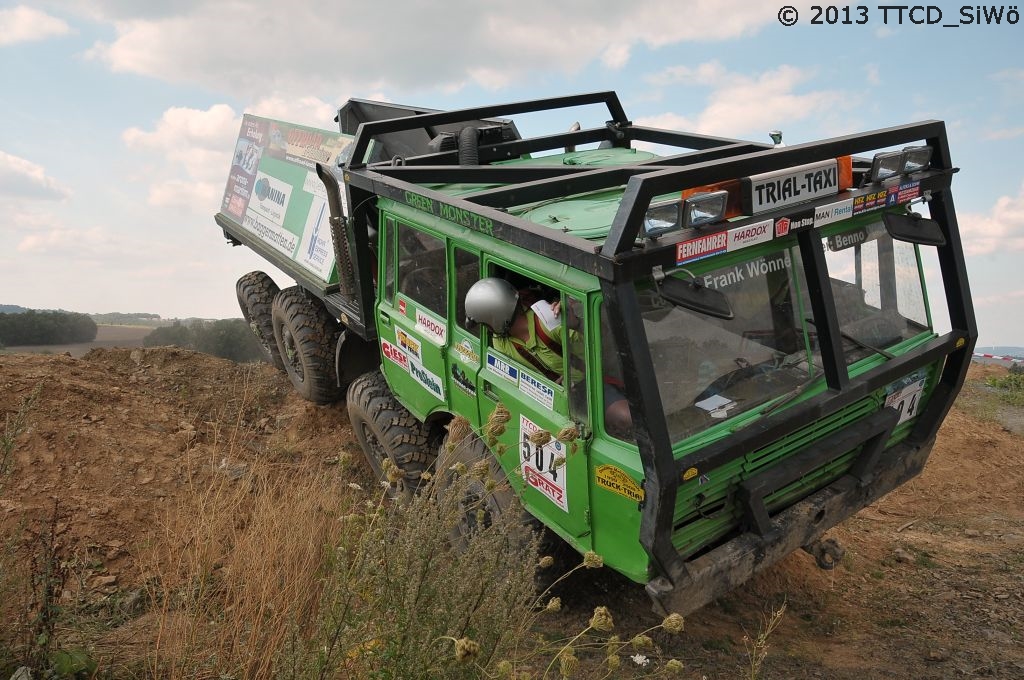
point(705, 208)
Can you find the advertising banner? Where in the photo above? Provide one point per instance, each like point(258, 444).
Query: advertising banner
point(274, 193)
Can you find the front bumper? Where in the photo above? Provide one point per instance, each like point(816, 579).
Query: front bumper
point(711, 575)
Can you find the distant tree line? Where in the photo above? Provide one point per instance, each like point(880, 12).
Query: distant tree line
point(12, 309)
point(226, 338)
point(129, 319)
point(33, 327)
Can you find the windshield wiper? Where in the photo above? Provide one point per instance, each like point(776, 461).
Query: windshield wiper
point(860, 343)
point(792, 394)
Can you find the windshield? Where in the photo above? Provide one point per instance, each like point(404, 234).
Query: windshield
point(876, 283)
point(710, 369)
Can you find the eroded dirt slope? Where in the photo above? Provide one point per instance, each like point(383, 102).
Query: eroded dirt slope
point(932, 585)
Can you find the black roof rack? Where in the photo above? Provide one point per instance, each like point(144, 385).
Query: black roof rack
point(702, 160)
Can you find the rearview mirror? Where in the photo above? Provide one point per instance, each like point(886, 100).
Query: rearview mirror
point(912, 228)
point(695, 297)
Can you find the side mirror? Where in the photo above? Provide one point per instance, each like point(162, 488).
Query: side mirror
point(695, 297)
point(912, 228)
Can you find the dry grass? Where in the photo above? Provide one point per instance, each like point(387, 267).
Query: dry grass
point(282, 572)
point(235, 567)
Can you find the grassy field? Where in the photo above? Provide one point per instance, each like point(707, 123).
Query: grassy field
point(106, 336)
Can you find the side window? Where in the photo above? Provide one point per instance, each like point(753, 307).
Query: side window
point(576, 353)
point(618, 420)
point(389, 260)
point(467, 272)
point(534, 338)
point(421, 269)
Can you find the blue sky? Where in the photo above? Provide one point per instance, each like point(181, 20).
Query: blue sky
point(118, 118)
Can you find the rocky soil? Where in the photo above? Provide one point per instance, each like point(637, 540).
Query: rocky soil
point(932, 585)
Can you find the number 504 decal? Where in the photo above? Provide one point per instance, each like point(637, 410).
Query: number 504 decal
point(543, 466)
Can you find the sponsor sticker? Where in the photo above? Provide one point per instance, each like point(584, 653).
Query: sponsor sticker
point(780, 188)
point(870, 201)
point(536, 390)
point(436, 331)
point(408, 343)
point(701, 247)
point(401, 305)
point(503, 368)
point(316, 252)
point(618, 481)
point(752, 234)
point(464, 350)
point(313, 185)
point(782, 227)
point(394, 354)
point(785, 225)
point(543, 466)
point(849, 239)
point(833, 212)
point(270, 233)
point(904, 193)
point(424, 377)
point(271, 198)
point(463, 381)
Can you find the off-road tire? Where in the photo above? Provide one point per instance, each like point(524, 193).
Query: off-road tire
point(479, 503)
point(256, 292)
point(386, 430)
point(306, 334)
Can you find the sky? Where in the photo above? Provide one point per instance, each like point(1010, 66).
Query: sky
point(118, 118)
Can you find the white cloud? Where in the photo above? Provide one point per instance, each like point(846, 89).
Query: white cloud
point(999, 230)
point(23, 179)
point(61, 240)
point(872, 74)
point(192, 149)
point(25, 24)
point(999, 299)
point(1004, 133)
point(330, 47)
point(616, 56)
point(708, 73)
point(302, 110)
point(741, 105)
point(1011, 75)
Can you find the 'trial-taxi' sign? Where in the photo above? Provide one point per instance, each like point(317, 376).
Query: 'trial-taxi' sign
point(777, 189)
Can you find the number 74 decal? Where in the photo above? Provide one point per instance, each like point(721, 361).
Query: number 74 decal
point(906, 400)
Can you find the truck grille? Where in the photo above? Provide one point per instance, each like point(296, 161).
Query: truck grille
point(707, 513)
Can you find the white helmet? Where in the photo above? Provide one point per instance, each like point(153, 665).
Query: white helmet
point(492, 302)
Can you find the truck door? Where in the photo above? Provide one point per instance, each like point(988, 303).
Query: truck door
point(464, 355)
point(541, 447)
point(412, 316)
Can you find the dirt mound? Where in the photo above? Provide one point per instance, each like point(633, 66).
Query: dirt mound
point(114, 435)
point(931, 585)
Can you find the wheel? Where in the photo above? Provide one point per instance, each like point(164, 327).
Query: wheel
point(306, 334)
point(385, 430)
point(256, 292)
point(485, 491)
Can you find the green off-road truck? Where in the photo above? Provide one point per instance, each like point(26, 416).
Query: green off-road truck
point(746, 352)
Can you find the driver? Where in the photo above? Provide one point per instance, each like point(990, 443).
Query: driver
point(519, 330)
